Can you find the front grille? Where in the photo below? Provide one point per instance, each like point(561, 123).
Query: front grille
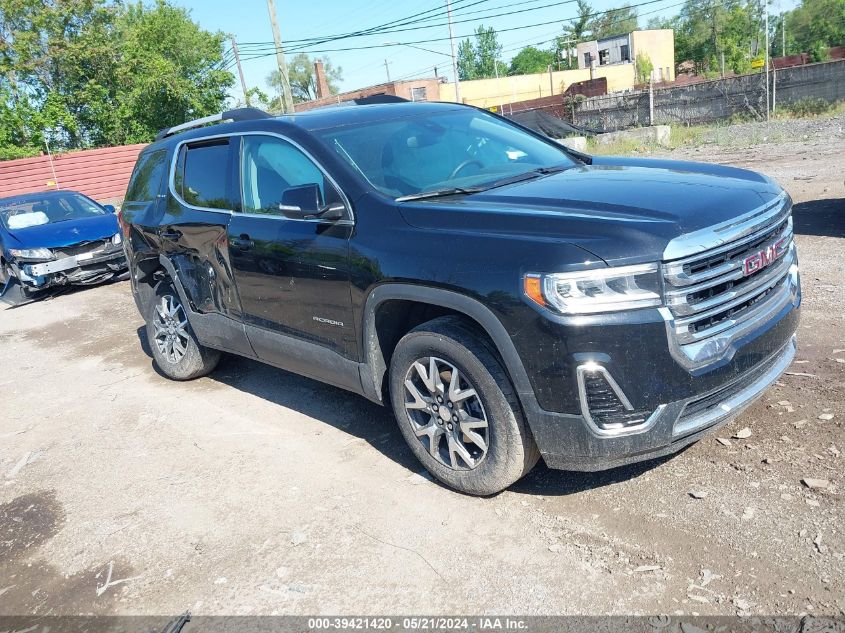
point(714, 290)
point(81, 249)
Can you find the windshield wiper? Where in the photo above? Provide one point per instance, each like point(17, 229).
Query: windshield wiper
point(509, 180)
point(440, 193)
point(527, 175)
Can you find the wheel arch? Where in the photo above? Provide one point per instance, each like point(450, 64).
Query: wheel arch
point(376, 358)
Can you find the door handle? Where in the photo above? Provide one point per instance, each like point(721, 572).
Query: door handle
point(243, 242)
point(171, 234)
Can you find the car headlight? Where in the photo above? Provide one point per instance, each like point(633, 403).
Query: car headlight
point(32, 253)
point(600, 290)
point(116, 239)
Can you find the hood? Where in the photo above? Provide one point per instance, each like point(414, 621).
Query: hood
point(621, 210)
point(67, 233)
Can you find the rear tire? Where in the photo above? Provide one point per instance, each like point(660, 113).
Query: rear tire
point(457, 409)
point(175, 348)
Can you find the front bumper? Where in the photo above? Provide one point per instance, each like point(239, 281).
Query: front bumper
point(671, 427)
point(679, 404)
point(82, 269)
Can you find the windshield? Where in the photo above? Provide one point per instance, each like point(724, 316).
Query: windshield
point(462, 149)
point(29, 211)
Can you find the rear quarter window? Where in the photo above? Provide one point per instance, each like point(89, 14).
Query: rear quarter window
point(145, 183)
point(201, 174)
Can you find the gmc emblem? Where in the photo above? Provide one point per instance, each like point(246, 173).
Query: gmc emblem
point(761, 259)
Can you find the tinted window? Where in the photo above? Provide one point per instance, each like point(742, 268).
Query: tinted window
point(202, 175)
point(269, 167)
point(146, 179)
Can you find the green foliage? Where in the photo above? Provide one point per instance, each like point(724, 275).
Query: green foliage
point(481, 59)
point(303, 81)
point(89, 73)
point(643, 68)
point(814, 26)
point(809, 106)
point(531, 60)
point(706, 34)
point(614, 22)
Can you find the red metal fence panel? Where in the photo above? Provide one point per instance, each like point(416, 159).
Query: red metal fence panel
point(101, 173)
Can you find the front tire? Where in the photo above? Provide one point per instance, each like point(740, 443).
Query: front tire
point(175, 348)
point(457, 409)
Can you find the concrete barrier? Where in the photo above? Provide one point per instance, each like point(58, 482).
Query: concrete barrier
point(658, 134)
point(577, 143)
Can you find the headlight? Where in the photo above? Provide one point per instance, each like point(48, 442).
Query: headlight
point(601, 290)
point(32, 253)
point(116, 239)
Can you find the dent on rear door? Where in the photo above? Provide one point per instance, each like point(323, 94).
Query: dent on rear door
point(196, 238)
point(201, 260)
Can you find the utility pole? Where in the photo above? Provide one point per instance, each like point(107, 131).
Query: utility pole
point(240, 70)
point(783, 33)
point(285, 100)
point(766, 56)
point(387, 70)
point(454, 59)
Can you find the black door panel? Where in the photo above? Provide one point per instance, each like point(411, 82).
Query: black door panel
point(294, 278)
point(292, 275)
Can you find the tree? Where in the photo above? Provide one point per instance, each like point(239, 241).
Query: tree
point(574, 33)
point(169, 71)
point(815, 26)
point(88, 73)
point(531, 60)
point(643, 68)
point(614, 22)
point(466, 60)
point(302, 79)
point(482, 59)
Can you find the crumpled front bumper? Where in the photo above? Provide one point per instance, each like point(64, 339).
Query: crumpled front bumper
point(75, 269)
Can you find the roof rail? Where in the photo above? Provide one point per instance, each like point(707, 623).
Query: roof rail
point(238, 114)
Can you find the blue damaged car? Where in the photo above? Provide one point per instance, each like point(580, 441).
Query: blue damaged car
point(53, 239)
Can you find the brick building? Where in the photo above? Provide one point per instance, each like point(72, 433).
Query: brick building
point(412, 89)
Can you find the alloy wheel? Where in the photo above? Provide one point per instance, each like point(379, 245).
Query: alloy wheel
point(170, 326)
point(446, 413)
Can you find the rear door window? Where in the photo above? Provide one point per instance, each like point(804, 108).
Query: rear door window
point(202, 173)
point(145, 183)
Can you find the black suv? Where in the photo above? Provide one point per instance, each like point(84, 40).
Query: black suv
point(508, 297)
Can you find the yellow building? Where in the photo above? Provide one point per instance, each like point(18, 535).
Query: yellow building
point(658, 44)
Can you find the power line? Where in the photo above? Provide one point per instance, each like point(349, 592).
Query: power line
point(406, 27)
point(442, 39)
point(368, 31)
point(519, 45)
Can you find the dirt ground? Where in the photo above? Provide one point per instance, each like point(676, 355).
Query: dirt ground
point(255, 491)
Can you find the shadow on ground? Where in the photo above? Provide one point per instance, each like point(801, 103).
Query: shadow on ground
point(820, 217)
point(376, 425)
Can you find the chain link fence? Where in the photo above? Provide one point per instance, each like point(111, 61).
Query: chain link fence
point(707, 101)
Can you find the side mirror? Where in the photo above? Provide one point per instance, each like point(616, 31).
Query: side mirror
point(305, 202)
point(109, 207)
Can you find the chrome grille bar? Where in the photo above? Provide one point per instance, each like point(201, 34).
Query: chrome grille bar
point(678, 299)
point(712, 288)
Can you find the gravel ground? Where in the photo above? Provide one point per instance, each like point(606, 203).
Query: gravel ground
point(255, 491)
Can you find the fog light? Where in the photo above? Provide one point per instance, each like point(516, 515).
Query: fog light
point(603, 403)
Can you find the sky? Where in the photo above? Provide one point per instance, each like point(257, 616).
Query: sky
point(537, 22)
